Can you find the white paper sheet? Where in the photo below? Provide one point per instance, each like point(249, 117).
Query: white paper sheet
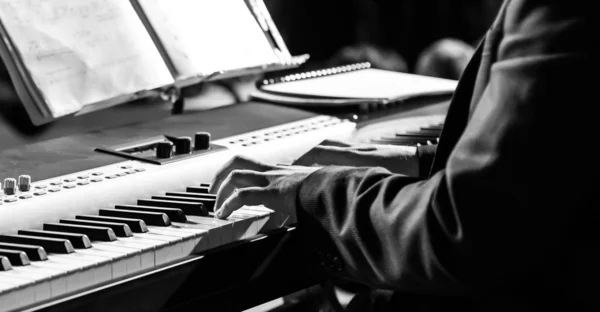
point(80, 52)
point(205, 36)
point(364, 84)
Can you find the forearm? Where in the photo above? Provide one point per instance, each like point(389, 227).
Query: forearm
point(382, 229)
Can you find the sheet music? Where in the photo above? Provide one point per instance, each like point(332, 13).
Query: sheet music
point(81, 52)
point(204, 36)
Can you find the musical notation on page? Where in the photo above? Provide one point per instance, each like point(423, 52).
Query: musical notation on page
point(205, 36)
point(81, 52)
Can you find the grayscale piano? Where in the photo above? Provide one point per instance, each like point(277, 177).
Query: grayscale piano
point(119, 218)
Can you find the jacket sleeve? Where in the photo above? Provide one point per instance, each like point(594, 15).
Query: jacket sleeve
point(499, 215)
point(426, 154)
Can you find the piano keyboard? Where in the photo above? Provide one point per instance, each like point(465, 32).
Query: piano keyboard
point(79, 231)
point(85, 229)
point(413, 131)
point(72, 254)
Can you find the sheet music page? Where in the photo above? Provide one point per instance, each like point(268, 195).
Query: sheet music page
point(83, 51)
point(204, 36)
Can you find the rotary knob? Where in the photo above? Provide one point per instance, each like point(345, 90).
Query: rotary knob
point(202, 141)
point(183, 145)
point(164, 150)
point(9, 186)
point(24, 183)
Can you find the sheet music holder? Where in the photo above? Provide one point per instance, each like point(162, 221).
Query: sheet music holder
point(69, 57)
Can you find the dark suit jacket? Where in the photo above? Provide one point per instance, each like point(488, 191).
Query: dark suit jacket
point(506, 217)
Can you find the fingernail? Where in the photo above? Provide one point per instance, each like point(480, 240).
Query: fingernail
point(219, 213)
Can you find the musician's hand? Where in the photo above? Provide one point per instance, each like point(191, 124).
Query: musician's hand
point(237, 163)
point(397, 159)
point(276, 189)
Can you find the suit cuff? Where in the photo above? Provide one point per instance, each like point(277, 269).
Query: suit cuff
point(312, 216)
point(426, 154)
point(310, 193)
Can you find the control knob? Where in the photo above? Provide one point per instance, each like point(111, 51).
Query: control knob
point(202, 141)
point(24, 183)
point(9, 186)
point(183, 145)
point(164, 150)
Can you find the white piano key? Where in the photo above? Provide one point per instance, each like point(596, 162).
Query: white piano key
point(259, 208)
point(124, 242)
point(195, 241)
point(187, 240)
point(154, 236)
point(220, 232)
point(172, 231)
point(244, 225)
point(166, 249)
point(13, 296)
point(122, 260)
point(31, 273)
point(15, 283)
point(57, 285)
point(38, 279)
point(264, 223)
point(141, 256)
point(90, 269)
point(82, 271)
point(210, 239)
point(5, 287)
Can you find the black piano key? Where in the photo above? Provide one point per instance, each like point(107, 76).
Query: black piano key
point(435, 133)
point(205, 185)
point(55, 245)
point(95, 233)
point(416, 136)
point(120, 229)
point(433, 127)
point(398, 138)
point(175, 214)
point(198, 189)
point(202, 195)
point(193, 195)
point(150, 218)
point(136, 225)
point(35, 253)
point(5, 264)
point(16, 257)
point(80, 241)
point(196, 209)
point(420, 139)
point(399, 141)
point(209, 203)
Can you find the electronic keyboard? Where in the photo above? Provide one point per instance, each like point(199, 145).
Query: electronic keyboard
point(81, 213)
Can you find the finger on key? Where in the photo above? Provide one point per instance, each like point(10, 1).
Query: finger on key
point(250, 196)
point(239, 179)
point(237, 163)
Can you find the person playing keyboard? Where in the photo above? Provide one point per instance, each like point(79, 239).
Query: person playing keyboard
point(497, 216)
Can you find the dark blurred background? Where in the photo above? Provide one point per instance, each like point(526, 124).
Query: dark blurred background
point(433, 37)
